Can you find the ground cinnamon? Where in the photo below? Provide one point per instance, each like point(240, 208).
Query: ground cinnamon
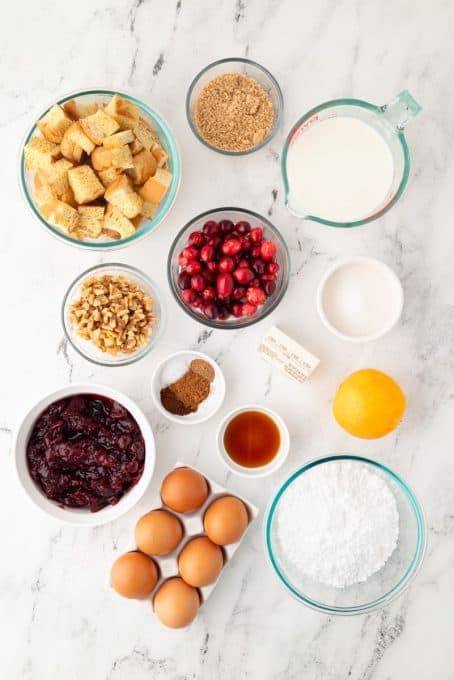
point(185, 394)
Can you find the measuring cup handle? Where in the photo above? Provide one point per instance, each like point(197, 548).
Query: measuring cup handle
point(401, 110)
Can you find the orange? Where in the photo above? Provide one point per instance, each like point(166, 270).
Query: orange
point(369, 404)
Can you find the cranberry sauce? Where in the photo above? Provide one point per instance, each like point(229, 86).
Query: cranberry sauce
point(86, 451)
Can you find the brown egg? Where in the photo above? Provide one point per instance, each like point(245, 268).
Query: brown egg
point(133, 575)
point(176, 604)
point(184, 490)
point(200, 562)
point(226, 520)
point(158, 532)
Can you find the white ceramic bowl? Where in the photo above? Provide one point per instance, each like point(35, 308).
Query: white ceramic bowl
point(264, 470)
point(390, 289)
point(76, 516)
point(173, 367)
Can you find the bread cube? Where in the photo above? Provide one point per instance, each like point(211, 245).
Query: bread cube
point(90, 221)
point(156, 187)
point(146, 136)
point(56, 175)
point(60, 214)
point(98, 126)
point(42, 191)
point(121, 194)
point(115, 221)
point(77, 136)
point(118, 139)
point(39, 153)
point(149, 210)
point(125, 112)
point(70, 150)
point(85, 185)
point(144, 167)
point(54, 124)
point(108, 176)
point(135, 146)
point(78, 110)
point(160, 155)
point(102, 158)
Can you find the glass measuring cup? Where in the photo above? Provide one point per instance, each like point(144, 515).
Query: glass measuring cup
point(388, 120)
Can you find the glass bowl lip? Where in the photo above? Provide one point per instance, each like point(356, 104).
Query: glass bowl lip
point(403, 582)
point(278, 119)
point(151, 224)
point(365, 105)
point(128, 269)
point(219, 324)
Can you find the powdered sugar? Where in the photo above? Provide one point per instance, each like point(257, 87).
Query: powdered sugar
point(338, 523)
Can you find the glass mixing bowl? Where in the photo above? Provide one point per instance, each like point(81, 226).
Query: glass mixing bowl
point(383, 586)
point(86, 348)
point(26, 177)
point(235, 215)
point(247, 68)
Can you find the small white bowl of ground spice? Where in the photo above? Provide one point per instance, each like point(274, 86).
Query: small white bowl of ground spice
point(234, 106)
point(188, 387)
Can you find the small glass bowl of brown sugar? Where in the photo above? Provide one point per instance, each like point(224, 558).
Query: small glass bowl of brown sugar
point(234, 106)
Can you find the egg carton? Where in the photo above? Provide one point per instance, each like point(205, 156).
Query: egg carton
point(192, 524)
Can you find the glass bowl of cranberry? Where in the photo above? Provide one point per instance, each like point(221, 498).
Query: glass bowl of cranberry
point(84, 454)
point(228, 268)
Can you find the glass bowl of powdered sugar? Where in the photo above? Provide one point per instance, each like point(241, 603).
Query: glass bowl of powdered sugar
point(345, 534)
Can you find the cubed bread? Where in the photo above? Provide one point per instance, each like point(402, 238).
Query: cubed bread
point(160, 155)
point(149, 210)
point(39, 153)
point(71, 151)
point(121, 194)
point(90, 221)
point(137, 220)
point(156, 187)
point(115, 221)
point(54, 124)
point(98, 126)
point(78, 110)
point(111, 234)
point(101, 158)
point(56, 175)
point(68, 197)
point(135, 146)
point(146, 136)
point(60, 214)
point(42, 190)
point(77, 136)
point(145, 165)
point(85, 185)
point(118, 139)
point(117, 157)
point(125, 112)
point(108, 176)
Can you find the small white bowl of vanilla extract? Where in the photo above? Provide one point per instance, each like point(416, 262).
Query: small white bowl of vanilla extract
point(253, 441)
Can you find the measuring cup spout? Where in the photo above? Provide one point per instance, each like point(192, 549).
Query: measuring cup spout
point(401, 110)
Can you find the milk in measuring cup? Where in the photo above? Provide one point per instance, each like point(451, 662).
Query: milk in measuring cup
point(339, 169)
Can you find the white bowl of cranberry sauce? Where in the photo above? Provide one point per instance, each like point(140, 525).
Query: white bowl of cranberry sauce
point(228, 268)
point(84, 454)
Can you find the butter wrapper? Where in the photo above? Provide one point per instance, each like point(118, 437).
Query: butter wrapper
point(288, 356)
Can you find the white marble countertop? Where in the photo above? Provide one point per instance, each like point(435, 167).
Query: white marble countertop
point(58, 619)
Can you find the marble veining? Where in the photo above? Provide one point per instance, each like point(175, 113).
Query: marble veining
point(57, 616)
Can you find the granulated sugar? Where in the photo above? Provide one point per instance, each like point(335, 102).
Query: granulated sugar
point(338, 523)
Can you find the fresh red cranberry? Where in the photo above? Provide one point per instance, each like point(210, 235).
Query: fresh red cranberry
point(244, 243)
point(183, 261)
point(188, 296)
point(223, 313)
point(197, 302)
point(231, 246)
point(242, 227)
point(184, 280)
point(255, 251)
point(211, 310)
point(209, 294)
point(211, 228)
point(268, 250)
point(226, 264)
point(198, 282)
point(226, 226)
point(256, 295)
point(237, 309)
point(248, 309)
point(194, 267)
point(207, 253)
point(210, 277)
point(273, 267)
point(269, 287)
point(243, 275)
point(268, 277)
point(256, 235)
point(243, 262)
point(216, 242)
point(224, 284)
point(212, 267)
point(259, 266)
point(239, 292)
point(191, 253)
point(196, 239)
point(255, 282)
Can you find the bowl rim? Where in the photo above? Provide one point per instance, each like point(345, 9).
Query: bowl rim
point(50, 508)
point(140, 274)
point(403, 582)
point(278, 116)
point(151, 225)
point(389, 272)
point(253, 319)
point(180, 420)
point(264, 470)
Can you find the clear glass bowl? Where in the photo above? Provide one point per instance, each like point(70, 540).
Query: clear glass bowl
point(86, 348)
point(247, 68)
point(382, 587)
point(26, 177)
point(235, 215)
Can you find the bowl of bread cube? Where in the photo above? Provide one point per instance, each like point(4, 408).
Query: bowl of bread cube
point(99, 169)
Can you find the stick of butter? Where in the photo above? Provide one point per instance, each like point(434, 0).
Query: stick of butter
point(288, 356)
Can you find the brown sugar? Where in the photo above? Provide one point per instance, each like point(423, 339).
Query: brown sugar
point(233, 112)
point(186, 394)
